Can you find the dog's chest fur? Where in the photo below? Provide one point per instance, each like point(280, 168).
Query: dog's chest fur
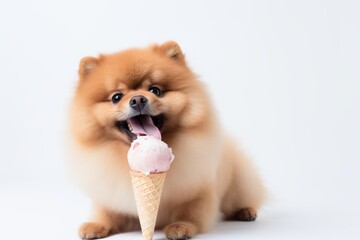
point(103, 173)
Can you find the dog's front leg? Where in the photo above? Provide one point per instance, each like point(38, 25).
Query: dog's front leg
point(105, 222)
point(194, 216)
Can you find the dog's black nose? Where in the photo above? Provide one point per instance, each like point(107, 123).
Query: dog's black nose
point(138, 102)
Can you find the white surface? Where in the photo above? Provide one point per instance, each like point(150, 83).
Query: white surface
point(284, 76)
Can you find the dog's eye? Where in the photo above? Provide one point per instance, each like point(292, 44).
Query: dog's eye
point(156, 91)
point(116, 98)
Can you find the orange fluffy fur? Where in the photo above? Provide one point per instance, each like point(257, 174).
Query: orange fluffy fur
point(210, 177)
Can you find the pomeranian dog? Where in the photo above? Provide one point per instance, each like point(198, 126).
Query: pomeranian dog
point(210, 178)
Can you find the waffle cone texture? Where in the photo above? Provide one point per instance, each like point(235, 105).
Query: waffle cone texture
point(147, 192)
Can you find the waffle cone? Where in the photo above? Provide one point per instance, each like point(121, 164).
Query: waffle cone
point(147, 192)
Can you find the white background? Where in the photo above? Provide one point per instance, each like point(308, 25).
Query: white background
point(284, 76)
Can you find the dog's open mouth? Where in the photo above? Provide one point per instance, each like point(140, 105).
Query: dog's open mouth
point(142, 125)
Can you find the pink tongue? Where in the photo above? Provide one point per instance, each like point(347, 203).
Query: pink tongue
point(143, 125)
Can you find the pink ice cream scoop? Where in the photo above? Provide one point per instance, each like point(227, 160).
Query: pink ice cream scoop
point(148, 154)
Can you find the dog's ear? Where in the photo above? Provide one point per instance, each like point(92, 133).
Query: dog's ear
point(87, 65)
point(172, 50)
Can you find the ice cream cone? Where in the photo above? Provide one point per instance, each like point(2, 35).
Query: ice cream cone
point(147, 191)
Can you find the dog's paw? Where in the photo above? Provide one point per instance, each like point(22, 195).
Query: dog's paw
point(180, 230)
point(91, 230)
point(247, 214)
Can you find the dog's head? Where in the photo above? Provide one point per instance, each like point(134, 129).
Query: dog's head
point(137, 91)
